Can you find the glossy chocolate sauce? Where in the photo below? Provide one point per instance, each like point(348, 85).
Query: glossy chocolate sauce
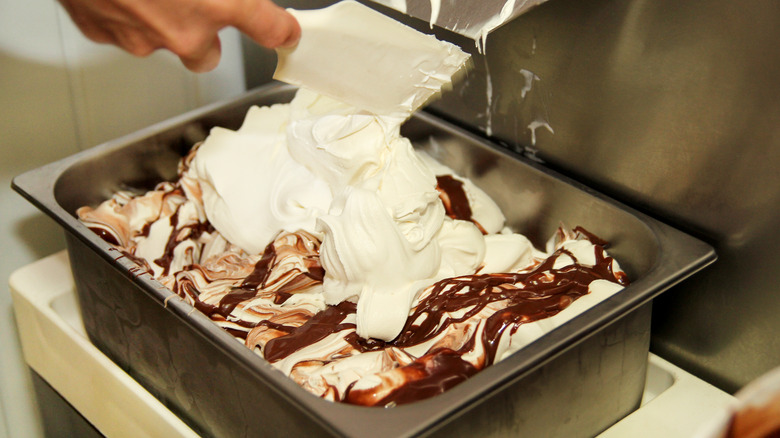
point(540, 293)
point(519, 298)
point(456, 202)
point(192, 231)
point(250, 285)
point(426, 377)
point(105, 235)
point(259, 280)
point(317, 328)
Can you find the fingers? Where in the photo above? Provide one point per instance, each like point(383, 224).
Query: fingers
point(88, 23)
point(186, 28)
point(205, 59)
point(267, 24)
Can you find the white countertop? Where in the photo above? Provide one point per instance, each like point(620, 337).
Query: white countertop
point(675, 403)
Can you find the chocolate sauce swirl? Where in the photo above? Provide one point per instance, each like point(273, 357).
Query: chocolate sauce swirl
point(426, 377)
point(456, 202)
point(460, 316)
point(319, 327)
point(526, 297)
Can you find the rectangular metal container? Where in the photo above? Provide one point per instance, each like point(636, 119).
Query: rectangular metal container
point(575, 381)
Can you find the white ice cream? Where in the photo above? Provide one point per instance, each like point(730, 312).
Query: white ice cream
point(348, 177)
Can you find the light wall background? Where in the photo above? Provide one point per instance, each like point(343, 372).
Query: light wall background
point(60, 93)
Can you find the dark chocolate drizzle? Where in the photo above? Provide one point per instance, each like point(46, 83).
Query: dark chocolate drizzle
point(426, 377)
point(192, 231)
point(528, 296)
point(105, 235)
point(167, 257)
point(260, 281)
point(538, 294)
point(317, 328)
point(453, 197)
point(594, 239)
point(249, 287)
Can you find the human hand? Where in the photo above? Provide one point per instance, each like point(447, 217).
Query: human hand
point(187, 28)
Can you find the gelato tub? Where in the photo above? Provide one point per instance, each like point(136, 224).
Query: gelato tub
point(575, 381)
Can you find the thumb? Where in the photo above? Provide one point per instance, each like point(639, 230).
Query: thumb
point(268, 24)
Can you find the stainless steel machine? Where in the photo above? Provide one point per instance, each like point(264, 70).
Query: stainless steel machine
point(670, 106)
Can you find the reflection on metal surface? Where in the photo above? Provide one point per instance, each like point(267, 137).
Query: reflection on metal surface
point(673, 107)
point(472, 19)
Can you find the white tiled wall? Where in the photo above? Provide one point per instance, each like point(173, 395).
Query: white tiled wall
point(60, 93)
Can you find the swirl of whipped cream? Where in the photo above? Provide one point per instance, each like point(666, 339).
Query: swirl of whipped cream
point(349, 178)
point(366, 257)
point(252, 188)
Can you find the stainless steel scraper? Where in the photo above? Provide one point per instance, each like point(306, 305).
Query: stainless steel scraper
point(357, 55)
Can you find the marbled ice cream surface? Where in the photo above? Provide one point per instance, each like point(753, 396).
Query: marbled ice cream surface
point(349, 178)
point(359, 267)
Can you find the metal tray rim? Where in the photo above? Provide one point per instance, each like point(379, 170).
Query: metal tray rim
point(680, 255)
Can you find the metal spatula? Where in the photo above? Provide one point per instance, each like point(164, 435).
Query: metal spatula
point(357, 55)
